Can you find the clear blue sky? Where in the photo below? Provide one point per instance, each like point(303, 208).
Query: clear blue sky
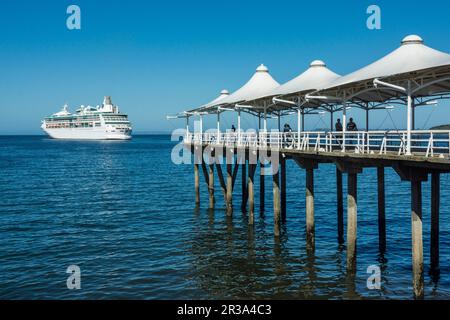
point(157, 58)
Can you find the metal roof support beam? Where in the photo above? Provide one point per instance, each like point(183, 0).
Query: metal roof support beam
point(409, 114)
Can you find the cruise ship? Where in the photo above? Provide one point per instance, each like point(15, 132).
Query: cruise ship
point(103, 122)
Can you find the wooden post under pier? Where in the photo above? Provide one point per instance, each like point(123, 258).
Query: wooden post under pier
point(276, 200)
point(283, 186)
point(352, 214)
point(352, 171)
point(340, 206)
point(244, 185)
point(416, 176)
point(261, 186)
point(434, 238)
point(212, 199)
point(229, 189)
point(223, 185)
point(417, 241)
point(310, 225)
point(251, 193)
point(381, 210)
point(309, 166)
point(197, 184)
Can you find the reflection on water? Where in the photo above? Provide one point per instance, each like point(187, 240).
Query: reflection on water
point(238, 260)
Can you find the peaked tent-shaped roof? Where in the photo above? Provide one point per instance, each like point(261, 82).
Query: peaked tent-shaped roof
point(406, 62)
point(260, 82)
point(315, 77)
point(223, 94)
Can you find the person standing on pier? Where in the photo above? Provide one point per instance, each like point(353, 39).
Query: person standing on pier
point(338, 125)
point(287, 130)
point(351, 126)
point(338, 128)
point(233, 133)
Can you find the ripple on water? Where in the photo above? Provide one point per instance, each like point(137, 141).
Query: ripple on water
point(124, 213)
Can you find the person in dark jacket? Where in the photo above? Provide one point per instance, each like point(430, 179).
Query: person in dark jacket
point(338, 128)
point(351, 126)
point(338, 125)
point(287, 130)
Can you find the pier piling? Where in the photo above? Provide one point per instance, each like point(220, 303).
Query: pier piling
point(244, 185)
point(261, 187)
point(197, 184)
point(381, 211)
point(416, 176)
point(417, 241)
point(276, 201)
point(221, 180)
point(229, 189)
point(310, 227)
point(309, 166)
point(283, 186)
point(251, 193)
point(340, 206)
point(435, 204)
point(352, 213)
point(212, 200)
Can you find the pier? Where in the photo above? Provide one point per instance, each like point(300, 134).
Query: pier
point(415, 155)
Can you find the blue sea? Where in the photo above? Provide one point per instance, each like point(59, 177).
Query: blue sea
point(125, 214)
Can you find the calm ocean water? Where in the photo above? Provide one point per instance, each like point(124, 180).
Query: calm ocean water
point(125, 214)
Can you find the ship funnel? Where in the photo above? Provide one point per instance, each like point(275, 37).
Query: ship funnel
point(107, 101)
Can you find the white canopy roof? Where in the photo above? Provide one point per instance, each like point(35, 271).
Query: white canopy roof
point(259, 83)
point(223, 94)
point(315, 77)
point(412, 56)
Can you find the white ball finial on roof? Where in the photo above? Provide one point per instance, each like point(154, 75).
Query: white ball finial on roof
point(317, 63)
point(412, 39)
point(224, 91)
point(262, 68)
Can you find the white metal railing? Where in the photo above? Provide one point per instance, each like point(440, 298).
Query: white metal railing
point(430, 143)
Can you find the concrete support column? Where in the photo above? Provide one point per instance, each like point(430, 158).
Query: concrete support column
point(251, 193)
point(340, 206)
point(310, 227)
point(261, 188)
point(416, 176)
point(309, 166)
point(244, 185)
point(229, 189)
point(381, 211)
point(211, 186)
point(276, 201)
point(417, 241)
point(435, 204)
point(283, 187)
point(197, 184)
point(352, 212)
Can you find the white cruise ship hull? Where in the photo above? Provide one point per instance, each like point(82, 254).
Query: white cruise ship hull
point(86, 134)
